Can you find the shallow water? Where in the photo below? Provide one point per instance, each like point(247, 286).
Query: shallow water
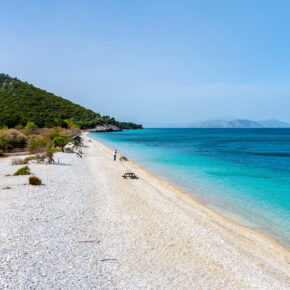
point(242, 173)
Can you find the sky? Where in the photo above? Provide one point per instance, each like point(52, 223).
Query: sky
point(154, 62)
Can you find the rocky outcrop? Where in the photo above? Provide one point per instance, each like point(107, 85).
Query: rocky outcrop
point(105, 128)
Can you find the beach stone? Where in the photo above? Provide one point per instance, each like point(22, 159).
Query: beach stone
point(86, 227)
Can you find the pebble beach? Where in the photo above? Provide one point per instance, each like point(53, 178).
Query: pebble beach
point(88, 227)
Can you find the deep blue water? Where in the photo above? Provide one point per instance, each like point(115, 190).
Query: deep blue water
point(242, 173)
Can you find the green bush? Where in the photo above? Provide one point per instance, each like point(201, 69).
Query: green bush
point(60, 141)
point(53, 134)
point(30, 126)
point(29, 158)
point(48, 138)
point(71, 124)
point(33, 180)
point(22, 171)
point(19, 127)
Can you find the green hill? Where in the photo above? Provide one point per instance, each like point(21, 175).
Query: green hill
point(21, 102)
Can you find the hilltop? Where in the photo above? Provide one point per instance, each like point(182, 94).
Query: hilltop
point(21, 102)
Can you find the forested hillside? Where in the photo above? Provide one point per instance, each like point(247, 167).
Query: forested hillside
point(21, 102)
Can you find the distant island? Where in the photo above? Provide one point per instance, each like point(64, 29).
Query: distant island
point(240, 123)
point(21, 102)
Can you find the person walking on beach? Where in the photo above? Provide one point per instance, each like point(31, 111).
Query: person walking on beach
point(115, 155)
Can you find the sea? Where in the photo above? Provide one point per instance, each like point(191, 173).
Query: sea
point(244, 174)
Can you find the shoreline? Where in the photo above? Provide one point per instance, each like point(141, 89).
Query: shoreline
point(190, 199)
point(88, 227)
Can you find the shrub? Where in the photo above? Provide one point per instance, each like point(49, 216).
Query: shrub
point(52, 134)
point(71, 124)
point(49, 154)
point(60, 141)
point(12, 138)
point(123, 158)
point(22, 171)
point(29, 158)
point(40, 158)
point(77, 140)
point(19, 127)
point(37, 144)
point(33, 180)
point(30, 126)
point(2, 143)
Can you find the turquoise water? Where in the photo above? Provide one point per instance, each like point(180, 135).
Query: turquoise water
point(242, 173)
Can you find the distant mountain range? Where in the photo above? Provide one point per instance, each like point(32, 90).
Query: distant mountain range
point(239, 123)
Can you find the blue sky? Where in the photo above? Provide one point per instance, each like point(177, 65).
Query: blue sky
point(154, 62)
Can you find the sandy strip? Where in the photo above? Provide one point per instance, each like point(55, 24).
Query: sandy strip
point(174, 240)
point(87, 227)
point(2, 159)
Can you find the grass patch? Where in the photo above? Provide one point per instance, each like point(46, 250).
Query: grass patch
point(29, 158)
point(33, 180)
point(22, 171)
